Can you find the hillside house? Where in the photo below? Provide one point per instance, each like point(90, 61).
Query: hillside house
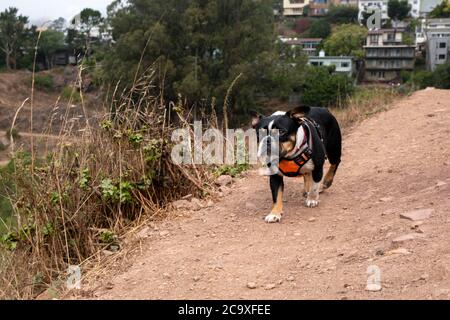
point(343, 64)
point(438, 42)
point(308, 45)
point(386, 55)
point(294, 8)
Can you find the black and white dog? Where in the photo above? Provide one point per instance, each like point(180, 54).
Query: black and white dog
point(307, 136)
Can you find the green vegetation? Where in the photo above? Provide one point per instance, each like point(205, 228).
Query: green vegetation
point(347, 40)
point(343, 14)
point(320, 28)
point(442, 10)
point(71, 94)
point(43, 82)
point(199, 48)
point(324, 89)
point(398, 10)
point(440, 78)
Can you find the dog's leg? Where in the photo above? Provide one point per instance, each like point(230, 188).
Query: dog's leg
point(329, 178)
point(315, 178)
point(306, 184)
point(277, 187)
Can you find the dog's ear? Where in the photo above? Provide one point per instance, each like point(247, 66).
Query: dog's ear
point(298, 113)
point(256, 118)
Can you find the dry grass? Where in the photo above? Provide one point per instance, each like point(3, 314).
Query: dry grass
point(365, 102)
point(99, 183)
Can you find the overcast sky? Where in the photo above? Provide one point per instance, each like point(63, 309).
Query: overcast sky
point(42, 10)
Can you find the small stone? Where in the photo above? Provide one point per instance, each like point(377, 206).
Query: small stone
point(107, 253)
point(399, 251)
point(312, 219)
point(196, 204)
point(144, 233)
point(417, 215)
point(387, 199)
point(196, 279)
point(182, 205)
point(109, 286)
point(425, 277)
point(224, 180)
point(252, 285)
point(164, 233)
point(166, 276)
point(290, 278)
point(441, 184)
point(210, 204)
point(270, 286)
point(224, 190)
point(408, 237)
point(297, 234)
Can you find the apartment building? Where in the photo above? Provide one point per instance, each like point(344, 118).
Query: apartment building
point(438, 42)
point(386, 56)
point(294, 8)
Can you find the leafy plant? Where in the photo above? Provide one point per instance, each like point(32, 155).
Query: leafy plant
point(85, 178)
point(107, 237)
point(43, 82)
point(71, 94)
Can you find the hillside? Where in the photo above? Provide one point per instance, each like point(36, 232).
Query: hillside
point(394, 163)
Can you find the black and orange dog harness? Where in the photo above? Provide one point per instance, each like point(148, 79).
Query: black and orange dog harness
point(291, 167)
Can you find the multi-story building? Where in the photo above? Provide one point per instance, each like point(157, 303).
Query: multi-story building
point(308, 45)
point(343, 64)
point(418, 7)
point(386, 55)
point(293, 8)
point(321, 7)
point(438, 42)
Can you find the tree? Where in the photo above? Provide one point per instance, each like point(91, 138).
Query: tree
point(398, 10)
point(83, 26)
point(343, 14)
point(198, 48)
point(324, 89)
point(348, 40)
point(441, 11)
point(320, 28)
point(12, 31)
point(59, 25)
point(50, 42)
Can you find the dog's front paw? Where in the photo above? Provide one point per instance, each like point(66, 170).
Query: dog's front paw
point(273, 218)
point(312, 203)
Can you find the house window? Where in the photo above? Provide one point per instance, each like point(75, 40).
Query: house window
point(391, 37)
point(441, 57)
point(314, 63)
point(442, 45)
point(373, 39)
point(345, 65)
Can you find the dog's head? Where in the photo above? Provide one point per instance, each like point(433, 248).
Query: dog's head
point(283, 126)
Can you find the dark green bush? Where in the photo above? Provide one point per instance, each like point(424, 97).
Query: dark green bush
point(324, 89)
point(43, 82)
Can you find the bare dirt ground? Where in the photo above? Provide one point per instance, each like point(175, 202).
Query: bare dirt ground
point(395, 162)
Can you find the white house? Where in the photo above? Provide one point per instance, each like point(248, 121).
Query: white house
point(292, 8)
point(343, 64)
point(418, 7)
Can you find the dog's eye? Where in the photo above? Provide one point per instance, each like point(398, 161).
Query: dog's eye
point(282, 132)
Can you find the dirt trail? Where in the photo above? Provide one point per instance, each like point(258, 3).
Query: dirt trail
point(393, 163)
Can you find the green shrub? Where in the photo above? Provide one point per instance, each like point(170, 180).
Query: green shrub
point(2, 146)
point(324, 89)
point(441, 76)
point(71, 94)
point(43, 82)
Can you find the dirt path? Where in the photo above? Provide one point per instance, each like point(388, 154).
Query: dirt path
point(396, 162)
